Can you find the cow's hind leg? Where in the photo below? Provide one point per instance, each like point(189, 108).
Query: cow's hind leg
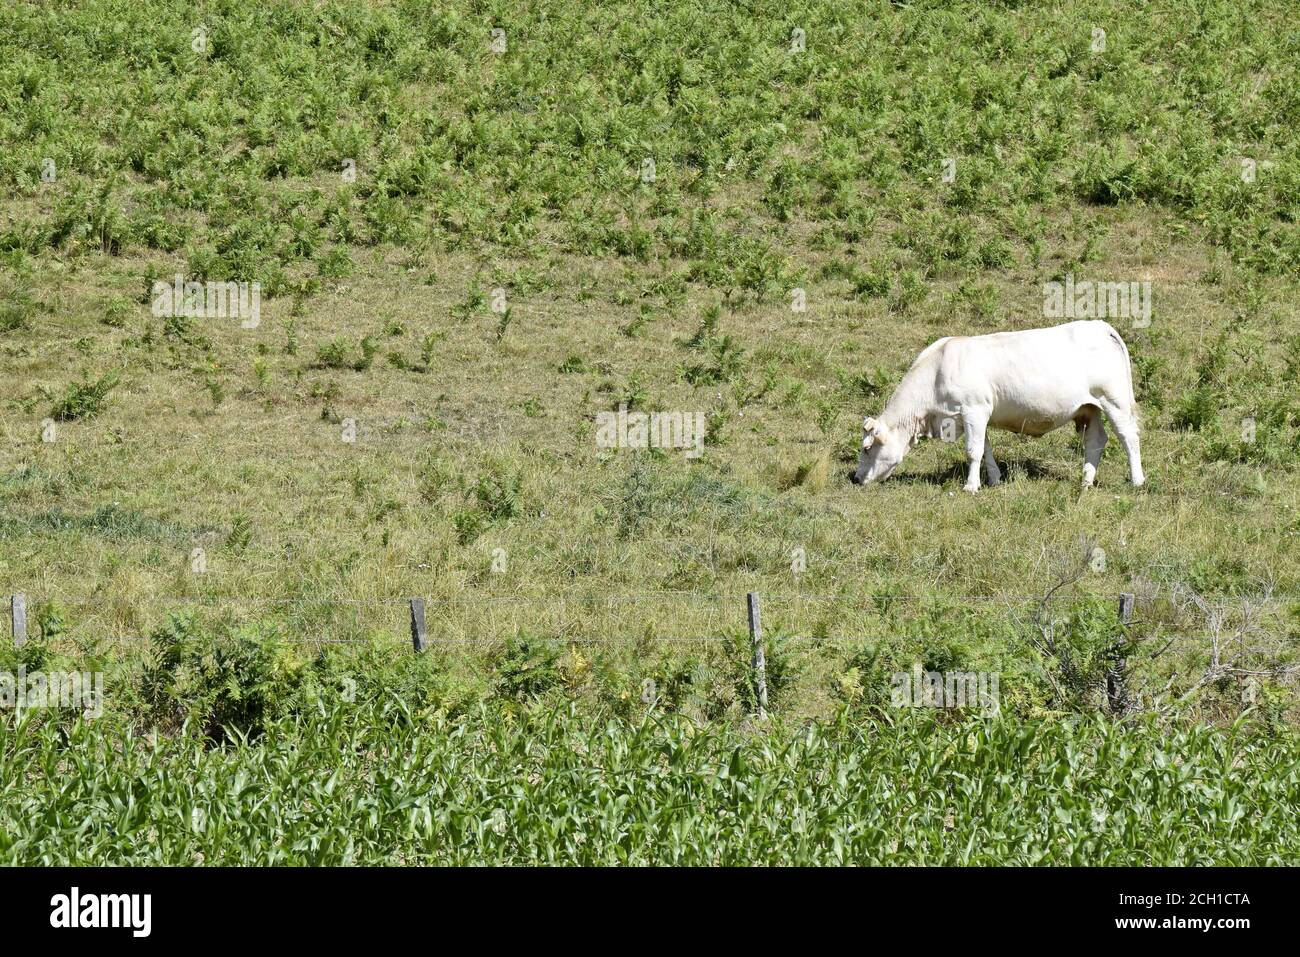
point(1125, 424)
point(1090, 425)
point(990, 466)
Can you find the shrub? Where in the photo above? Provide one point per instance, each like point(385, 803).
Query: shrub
point(333, 355)
point(236, 681)
point(1197, 409)
point(82, 400)
point(497, 494)
point(529, 667)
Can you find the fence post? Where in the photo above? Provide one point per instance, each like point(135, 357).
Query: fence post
point(760, 662)
point(419, 636)
point(18, 617)
point(1115, 691)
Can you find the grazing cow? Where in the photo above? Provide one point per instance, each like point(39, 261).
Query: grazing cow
point(1029, 382)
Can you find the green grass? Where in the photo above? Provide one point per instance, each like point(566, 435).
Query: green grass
point(379, 785)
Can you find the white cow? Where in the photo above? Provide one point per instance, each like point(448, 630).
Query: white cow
point(1029, 382)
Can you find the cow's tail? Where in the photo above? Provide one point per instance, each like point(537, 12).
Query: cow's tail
point(1128, 370)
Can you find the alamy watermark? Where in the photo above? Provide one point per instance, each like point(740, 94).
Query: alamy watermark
point(651, 430)
point(945, 689)
point(1086, 299)
point(212, 300)
point(75, 909)
point(53, 689)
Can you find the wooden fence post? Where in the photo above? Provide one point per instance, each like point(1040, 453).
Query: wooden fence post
point(18, 617)
point(1115, 691)
point(760, 661)
point(419, 636)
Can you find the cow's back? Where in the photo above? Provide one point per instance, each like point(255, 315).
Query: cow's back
point(1032, 380)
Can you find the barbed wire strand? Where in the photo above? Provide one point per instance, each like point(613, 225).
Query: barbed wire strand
point(483, 641)
point(364, 437)
point(871, 598)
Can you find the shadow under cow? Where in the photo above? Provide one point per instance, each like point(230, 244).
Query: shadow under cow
point(1013, 470)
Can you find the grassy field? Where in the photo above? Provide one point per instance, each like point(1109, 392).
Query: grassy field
point(469, 244)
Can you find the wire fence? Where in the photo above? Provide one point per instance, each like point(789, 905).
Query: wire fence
point(730, 637)
point(361, 435)
point(396, 614)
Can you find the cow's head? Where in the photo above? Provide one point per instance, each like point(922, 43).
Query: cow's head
point(882, 449)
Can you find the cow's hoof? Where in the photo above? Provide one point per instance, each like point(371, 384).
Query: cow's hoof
point(970, 488)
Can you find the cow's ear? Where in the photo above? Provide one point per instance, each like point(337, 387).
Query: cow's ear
point(868, 424)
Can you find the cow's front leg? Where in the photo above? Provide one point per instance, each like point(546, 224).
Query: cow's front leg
point(975, 428)
point(991, 467)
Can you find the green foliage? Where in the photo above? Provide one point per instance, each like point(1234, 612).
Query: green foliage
point(16, 311)
point(724, 362)
point(84, 399)
point(233, 682)
point(497, 493)
point(1083, 641)
point(524, 152)
point(334, 354)
point(51, 621)
point(529, 667)
point(380, 782)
